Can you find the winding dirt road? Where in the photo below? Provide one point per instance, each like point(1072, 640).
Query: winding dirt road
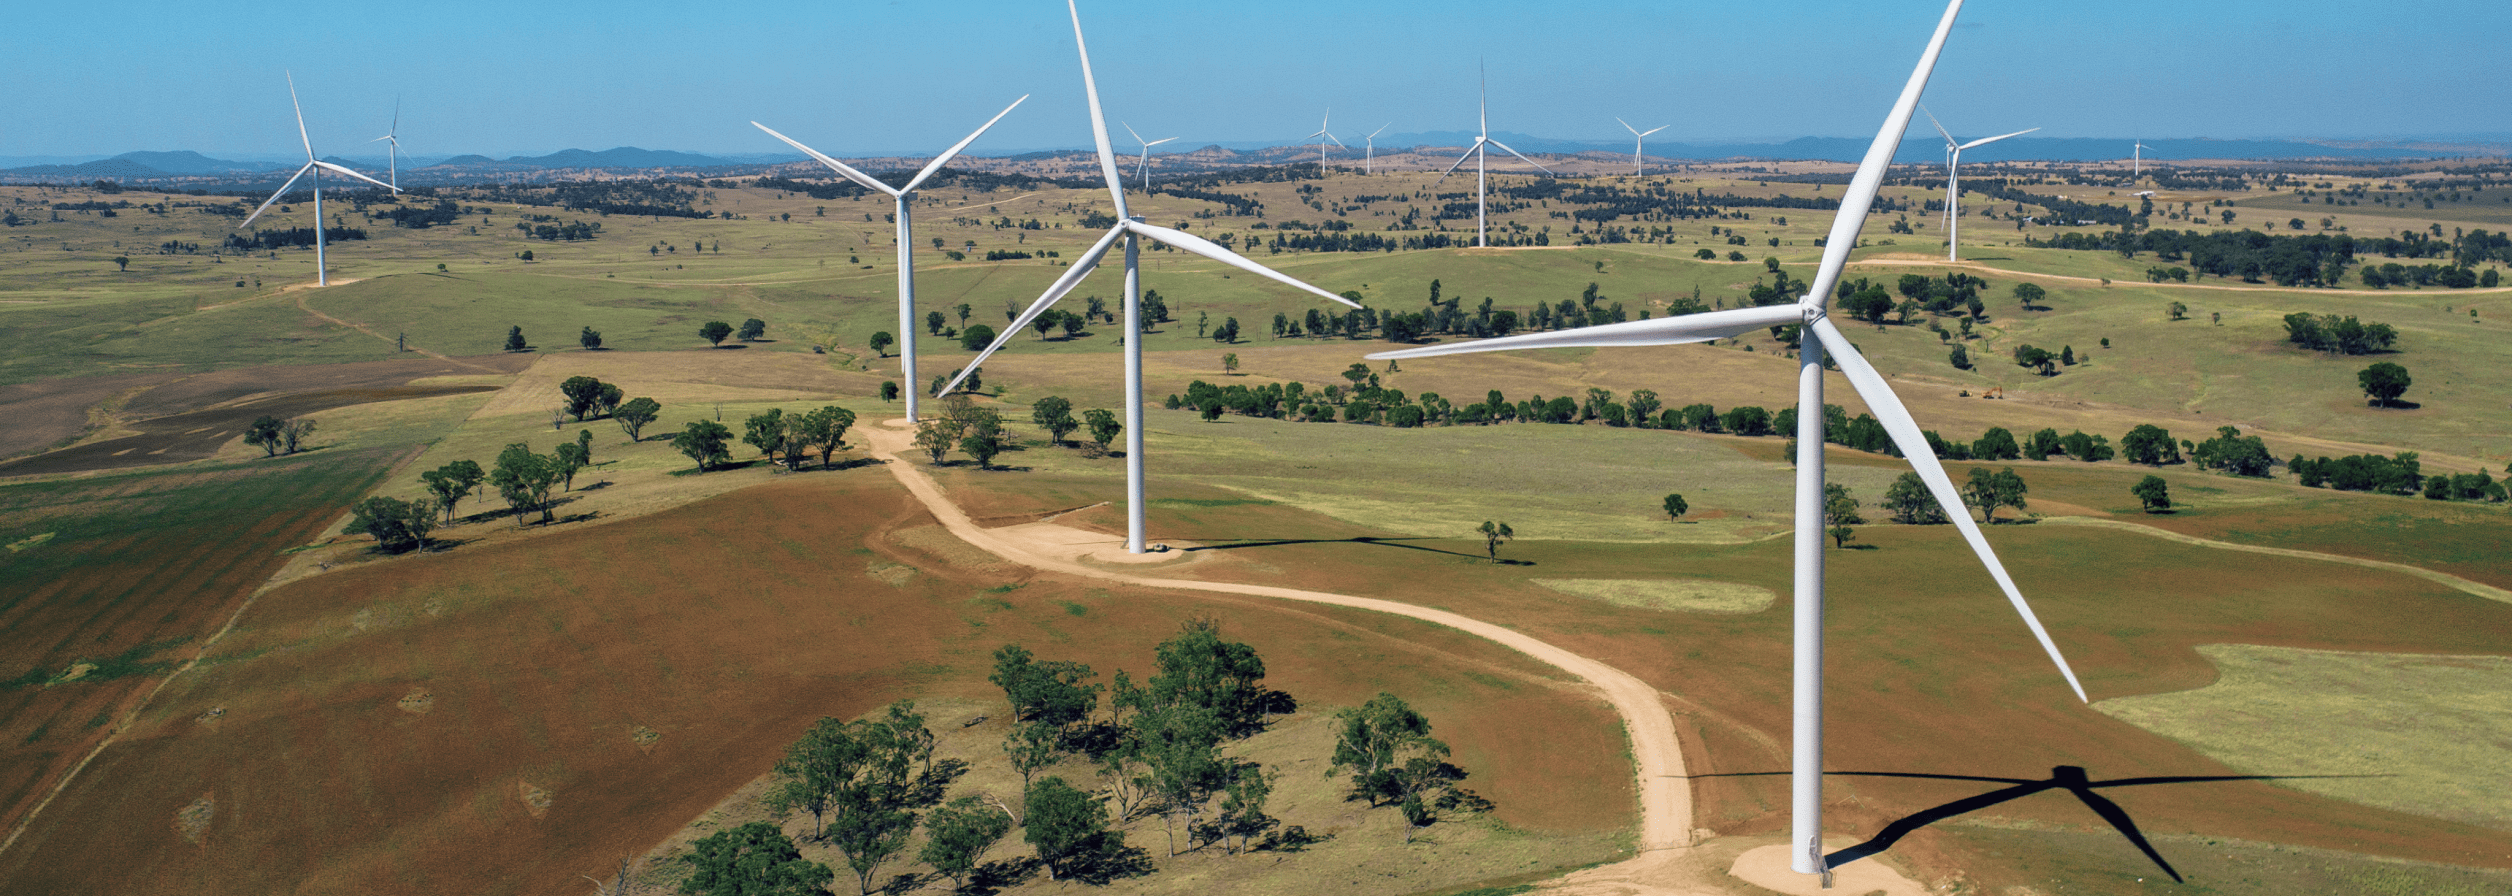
point(1665, 793)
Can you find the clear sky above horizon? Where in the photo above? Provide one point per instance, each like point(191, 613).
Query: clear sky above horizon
point(891, 75)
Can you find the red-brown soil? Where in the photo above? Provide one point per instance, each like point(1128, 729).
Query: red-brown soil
point(179, 418)
point(1928, 671)
point(727, 626)
point(137, 560)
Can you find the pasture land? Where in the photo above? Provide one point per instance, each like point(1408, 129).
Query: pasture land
point(470, 721)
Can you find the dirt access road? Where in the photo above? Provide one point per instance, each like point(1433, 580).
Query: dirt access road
point(1667, 862)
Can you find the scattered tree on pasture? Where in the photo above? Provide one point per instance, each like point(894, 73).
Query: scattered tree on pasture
point(263, 433)
point(397, 525)
point(976, 338)
point(451, 483)
point(1493, 535)
point(870, 777)
point(524, 480)
point(1840, 512)
point(122, 262)
point(2154, 493)
point(714, 333)
point(823, 430)
point(933, 437)
point(1675, 507)
point(1990, 491)
point(2384, 382)
point(752, 330)
point(881, 342)
point(591, 339)
point(1061, 821)
point(571, 457)
point(583, 394)
point(1055, 415)
point(514, 339)
point(704, 441)
point(958, 835)
point(1104, 427)
point(889, 391)
point(633, 415)
point(1910, 502)
point(2150, 445)
point(766, 432)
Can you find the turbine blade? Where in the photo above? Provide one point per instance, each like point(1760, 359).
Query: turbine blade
point(1212, 250)
point(300, 107)
point(1098, 120)
point(274, 197)
point(1860, 196)
point(1129, 130)
point(860, 178)
point(1655, 129)
point(1897, 421)
point(1940, 126)
point(1158, 142)
point(336, 169)
point(1373, 135)
point(1627, 126)
point(1082, 266)
point(1988, 140)
point(1331, 138)
point(945, 157)
point(1678, 330)
point(1452, 169)
point(1521, 158)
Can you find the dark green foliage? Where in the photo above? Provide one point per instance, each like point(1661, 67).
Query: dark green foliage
point(755, 859)
point(1062, 823)
point(1493, 534)
point(1055, 415)
point(869, 777)
point(881, 342)
point(451, 483)
point(1745, 421)
point(1996, 444)
point(1840, 513)
point(633, 415)
point(1958, 357)
point(525, 479)
point(1056, 693)
point(714, 332)
point(397, 525)
point(1675, 507)
point(2150, 445)
point(751, 330)
point(1225, 678)
point(2084, 447)
point(1395, 760)
point(582, 393)
point(514, 339)
point(765, 431)
point(2338, 335)
point(572, 457)
point(2384, 382)
point(1104, 427)
point(2042, 444)
point(2154, 493)
point(2397, 475)
point(959, 835)
point(1990, 491)
point(590, 339)
point(1910, 502)
point(889, 390)
point(704, 441)
point(976, 337)
point(264, 433)
point(2234, 453)
point(823, 430)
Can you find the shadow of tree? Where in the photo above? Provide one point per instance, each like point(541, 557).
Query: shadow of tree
point(1370, 540)
point(1106, 859)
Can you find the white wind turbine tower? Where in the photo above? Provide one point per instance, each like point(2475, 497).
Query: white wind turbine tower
point(1806, 771)
point(1369, 150)
point(1953, 188)
point(1322, 139)
point(1132, 230)
point(392, 142)
point(1143, 171)
point(903, 196)
point(1637, 138)
point(316, 167)
point(1482, 114)
point(2137, 163)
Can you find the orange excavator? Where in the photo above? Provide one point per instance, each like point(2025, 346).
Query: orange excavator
point(1994, 392)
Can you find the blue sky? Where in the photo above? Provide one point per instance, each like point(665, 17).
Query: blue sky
point(873, 76)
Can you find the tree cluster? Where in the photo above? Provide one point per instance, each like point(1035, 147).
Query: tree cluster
point(2338, 335)
point(276, 436)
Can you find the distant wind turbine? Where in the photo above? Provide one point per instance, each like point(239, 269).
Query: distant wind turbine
point(1322, 139)
point(1637, 136)
point(1821, 335)
point(392, 142)
point(316, 167)
point(1953, 188)
point(1132, 229)
point(1482, 114)
point(1143, 171)
point(906, 237)
point(1369, 150)
point(2137, 163)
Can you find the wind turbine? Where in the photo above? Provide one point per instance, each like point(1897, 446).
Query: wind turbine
point(1806, 768)
point(1482, 114)
point(1321, 143)
point(906, 238)
point(1144, 170)
point(2137, 163)
point(1637, 136)
point(1369, 150)
point(1132, 230)
point(1953, 190)
point(392, 142)
point(315, 166)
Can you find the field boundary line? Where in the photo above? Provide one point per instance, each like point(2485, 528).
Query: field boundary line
point(2445, 579)
point(132, 717)
point(1664, 790)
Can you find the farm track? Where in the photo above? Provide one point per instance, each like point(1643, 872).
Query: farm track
point(1667, 862)
point(2099, 281)
point(2444, 579)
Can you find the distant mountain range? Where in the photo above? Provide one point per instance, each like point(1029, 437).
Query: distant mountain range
point(188, 165)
